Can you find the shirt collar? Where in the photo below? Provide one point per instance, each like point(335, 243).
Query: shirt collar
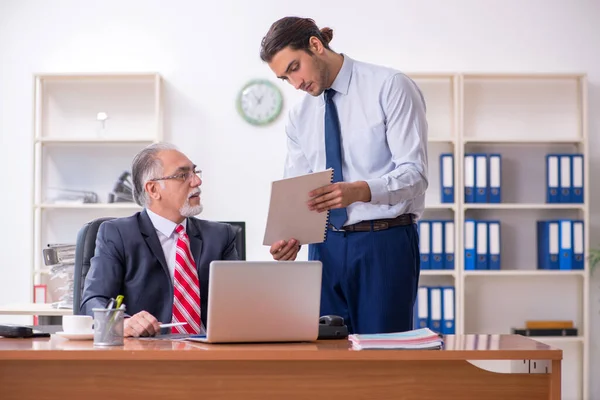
point(342, 80)
point(163, 225)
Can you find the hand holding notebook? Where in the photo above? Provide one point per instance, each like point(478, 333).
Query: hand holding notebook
point(289, 216)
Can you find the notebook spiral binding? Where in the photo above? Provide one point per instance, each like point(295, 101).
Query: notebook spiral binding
point(327, 219)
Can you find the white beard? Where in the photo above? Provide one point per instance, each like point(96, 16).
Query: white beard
point(187, 210)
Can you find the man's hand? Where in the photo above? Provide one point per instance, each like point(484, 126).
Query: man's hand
point(141, 324)
point(339, 195)
point(284, 251)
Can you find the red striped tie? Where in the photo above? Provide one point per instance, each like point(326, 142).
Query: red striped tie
point(186, 288)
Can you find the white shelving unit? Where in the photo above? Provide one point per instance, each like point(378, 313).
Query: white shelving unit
point(523, 117)
point(74, 150)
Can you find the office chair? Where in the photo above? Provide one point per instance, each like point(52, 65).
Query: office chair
point(240, 237)
point(84, 251)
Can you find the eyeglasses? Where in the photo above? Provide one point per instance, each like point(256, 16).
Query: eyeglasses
point(182, 177)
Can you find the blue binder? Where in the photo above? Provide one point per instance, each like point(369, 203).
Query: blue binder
point(470, 244)
point(482, 245)
point(481, 175)
point(469, 178)
point(566, 177)
point(577, 173)
point(552, 178)
point(437, 245)
point(495, 178)
point(548, 236)
point(554, 244)
point(494, 244)
point(447, 177)
point(543, 245)
point(422, 308)
point(448, 244)
point(565, 261)
point(425, 243)
point(578, 244)
point(448, 310)
point(435, 309)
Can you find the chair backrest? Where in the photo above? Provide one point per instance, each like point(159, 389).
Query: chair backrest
point(84, 251)
point(240, 237)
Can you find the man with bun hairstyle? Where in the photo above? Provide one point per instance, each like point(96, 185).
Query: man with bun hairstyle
point(368, 123)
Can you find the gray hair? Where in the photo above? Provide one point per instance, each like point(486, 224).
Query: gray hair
point(145, 166)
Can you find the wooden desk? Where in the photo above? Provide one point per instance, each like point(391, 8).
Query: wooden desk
point(60, 369)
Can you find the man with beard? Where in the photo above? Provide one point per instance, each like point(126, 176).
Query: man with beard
point(367, 123)
point(159, 258)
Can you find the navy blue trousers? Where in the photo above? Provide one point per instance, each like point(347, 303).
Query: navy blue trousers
point(370, 278)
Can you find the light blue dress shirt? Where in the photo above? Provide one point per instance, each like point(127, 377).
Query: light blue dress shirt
point(384, 139)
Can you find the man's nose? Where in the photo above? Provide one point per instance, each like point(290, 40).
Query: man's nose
point(196, 181)
point(297, 83)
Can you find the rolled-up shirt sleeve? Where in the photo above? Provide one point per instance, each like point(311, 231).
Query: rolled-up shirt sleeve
point(406, 132)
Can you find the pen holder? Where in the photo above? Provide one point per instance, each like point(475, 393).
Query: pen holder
point(108, 326)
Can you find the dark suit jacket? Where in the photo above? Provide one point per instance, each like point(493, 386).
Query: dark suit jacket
point(129, 260)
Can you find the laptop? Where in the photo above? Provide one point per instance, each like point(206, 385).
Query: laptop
point(263, 301)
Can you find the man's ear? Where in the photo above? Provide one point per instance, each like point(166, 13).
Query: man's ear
point(315, 45)
point(153, 190)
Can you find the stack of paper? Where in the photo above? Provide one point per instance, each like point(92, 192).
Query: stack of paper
point(418, 339)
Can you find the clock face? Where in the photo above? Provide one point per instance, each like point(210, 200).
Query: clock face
point(259, 102)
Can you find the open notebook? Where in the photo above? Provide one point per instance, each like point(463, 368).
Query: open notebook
point(289, 216)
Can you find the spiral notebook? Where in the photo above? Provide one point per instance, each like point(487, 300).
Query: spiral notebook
point(289, 216)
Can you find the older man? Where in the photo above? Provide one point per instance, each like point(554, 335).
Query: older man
point(159, 258)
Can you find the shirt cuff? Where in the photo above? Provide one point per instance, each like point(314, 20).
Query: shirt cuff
point(379, 192)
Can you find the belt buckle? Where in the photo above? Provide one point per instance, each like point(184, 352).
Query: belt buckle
point(380, 226)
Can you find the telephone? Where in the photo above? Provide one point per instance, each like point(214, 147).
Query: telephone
point(332, 327)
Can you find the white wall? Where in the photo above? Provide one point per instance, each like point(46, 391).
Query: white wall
point(207, 50)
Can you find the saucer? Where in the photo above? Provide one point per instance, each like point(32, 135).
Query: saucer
point(77, 336)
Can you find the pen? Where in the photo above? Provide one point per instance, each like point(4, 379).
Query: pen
point(173, 324)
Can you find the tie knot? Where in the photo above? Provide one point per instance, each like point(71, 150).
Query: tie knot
point(179, 229)
point(329, 93)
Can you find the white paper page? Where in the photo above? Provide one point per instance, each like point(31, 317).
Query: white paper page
point(289, 216)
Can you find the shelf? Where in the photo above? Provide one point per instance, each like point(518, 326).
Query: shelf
point(441, 140)
point(98, 77)
point(93, 141)
point(557, 339)
point(91, 206)
point(440, 206)
point(432, 75)
point(518, 76)
point(43, 309)
point(524, 272)
point(438, 272)
point(524, 140)
point(523, 206)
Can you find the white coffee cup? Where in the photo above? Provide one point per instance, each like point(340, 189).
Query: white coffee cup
point(77, 324)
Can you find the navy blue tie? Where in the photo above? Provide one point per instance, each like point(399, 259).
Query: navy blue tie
point(333, 153)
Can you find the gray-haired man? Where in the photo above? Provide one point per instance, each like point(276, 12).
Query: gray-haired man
point(159, 258)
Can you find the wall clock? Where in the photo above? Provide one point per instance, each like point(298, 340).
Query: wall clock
point(259, 102)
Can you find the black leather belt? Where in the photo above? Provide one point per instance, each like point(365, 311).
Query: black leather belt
point(377, 224)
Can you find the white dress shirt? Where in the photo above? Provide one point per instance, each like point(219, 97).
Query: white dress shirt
point(383, 138)
point(165, 230)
